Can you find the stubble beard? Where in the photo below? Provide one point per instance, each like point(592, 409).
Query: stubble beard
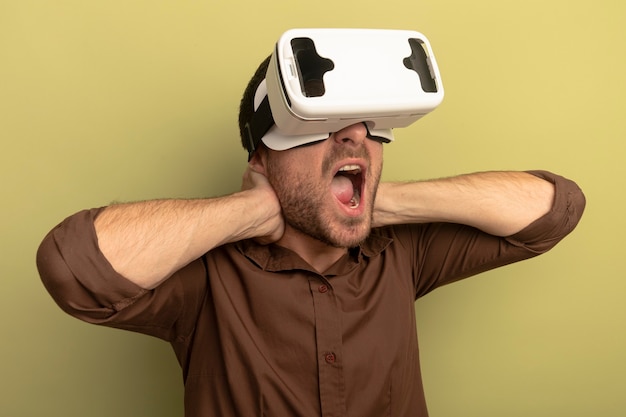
point(307, 209)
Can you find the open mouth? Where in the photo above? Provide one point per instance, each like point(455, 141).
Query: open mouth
point(347, 184)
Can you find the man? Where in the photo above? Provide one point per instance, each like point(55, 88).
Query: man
point(295, 296)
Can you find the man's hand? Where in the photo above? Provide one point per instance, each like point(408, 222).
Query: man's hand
point(274, 226)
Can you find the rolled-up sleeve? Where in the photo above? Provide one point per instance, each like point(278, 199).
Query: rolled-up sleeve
point(84, 284)
point(567, 209)
point(76, 273)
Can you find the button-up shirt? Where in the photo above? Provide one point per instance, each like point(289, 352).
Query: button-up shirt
point(259, 332)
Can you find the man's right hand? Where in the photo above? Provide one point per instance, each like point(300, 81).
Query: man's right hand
point(274, 226)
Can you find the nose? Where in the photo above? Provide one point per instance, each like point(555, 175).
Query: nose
point(351, 135)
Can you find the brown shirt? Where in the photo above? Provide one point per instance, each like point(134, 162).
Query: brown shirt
point(259, 333)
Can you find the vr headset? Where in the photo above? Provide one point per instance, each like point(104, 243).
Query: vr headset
point(320, 81)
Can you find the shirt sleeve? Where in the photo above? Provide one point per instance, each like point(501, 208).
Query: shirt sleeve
point(84, 284)
point(444, 252)
point(567, 210)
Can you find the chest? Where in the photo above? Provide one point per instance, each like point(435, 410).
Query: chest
point(300, 339)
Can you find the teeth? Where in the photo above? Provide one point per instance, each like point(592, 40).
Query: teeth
point(350, 168)
point(355, 201)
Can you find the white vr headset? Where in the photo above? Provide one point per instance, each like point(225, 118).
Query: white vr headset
point(320, 81)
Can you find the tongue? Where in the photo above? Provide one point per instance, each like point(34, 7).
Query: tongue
point(342, 189)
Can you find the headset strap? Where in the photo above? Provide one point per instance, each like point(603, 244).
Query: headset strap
point(261, 121)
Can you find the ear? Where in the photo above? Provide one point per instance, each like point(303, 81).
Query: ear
point(258, 161)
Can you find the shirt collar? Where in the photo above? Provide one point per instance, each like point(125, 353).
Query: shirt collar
point(275, 258)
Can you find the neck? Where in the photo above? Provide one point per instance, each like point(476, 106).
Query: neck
point(318, 254)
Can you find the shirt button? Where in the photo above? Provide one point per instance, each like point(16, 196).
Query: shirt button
point(323, 289)
point(330, 358)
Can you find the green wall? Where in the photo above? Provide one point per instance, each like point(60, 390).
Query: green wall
point(113, 100)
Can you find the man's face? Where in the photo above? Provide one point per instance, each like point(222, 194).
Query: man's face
point(327, 189)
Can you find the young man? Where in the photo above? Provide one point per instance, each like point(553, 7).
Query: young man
point(295, 296)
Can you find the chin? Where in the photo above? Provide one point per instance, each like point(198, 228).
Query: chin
point(329, 227)
point(351, 237)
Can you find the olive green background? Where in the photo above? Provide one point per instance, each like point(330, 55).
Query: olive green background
point(105, 101)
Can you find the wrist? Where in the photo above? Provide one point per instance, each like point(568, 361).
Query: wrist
point(260, 211)
point(386, 211)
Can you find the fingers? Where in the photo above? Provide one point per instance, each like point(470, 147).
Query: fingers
point(273, 225)
point(252, 178)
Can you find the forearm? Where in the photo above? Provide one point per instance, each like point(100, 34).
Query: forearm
point(147, 241)
point(499, 203)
